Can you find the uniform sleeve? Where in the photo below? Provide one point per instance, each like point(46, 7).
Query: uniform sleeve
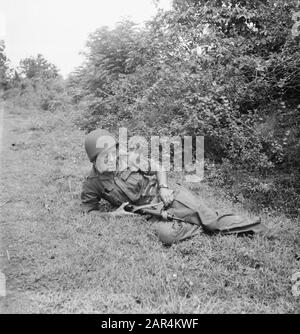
point(143, 166)
point(90, 196)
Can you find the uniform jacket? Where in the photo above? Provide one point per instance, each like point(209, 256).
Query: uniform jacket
point(135, 187)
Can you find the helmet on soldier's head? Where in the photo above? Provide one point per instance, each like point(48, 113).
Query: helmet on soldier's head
point(93, 145)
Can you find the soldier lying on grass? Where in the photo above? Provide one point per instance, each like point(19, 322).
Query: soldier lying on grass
point(136, 187)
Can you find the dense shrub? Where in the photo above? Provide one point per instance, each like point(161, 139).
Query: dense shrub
point(37, 84)
point(4, 67)
point(227, 69)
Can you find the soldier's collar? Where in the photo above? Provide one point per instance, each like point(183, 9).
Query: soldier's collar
point(102, 176)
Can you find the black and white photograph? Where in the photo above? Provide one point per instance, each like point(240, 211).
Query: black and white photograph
point(150, 159)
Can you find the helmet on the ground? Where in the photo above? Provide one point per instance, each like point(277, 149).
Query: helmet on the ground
point(97, 141)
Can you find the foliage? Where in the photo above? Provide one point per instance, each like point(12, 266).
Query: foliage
point(3, 66)
point(37, 83)
point(228, 70)
point(37, 67)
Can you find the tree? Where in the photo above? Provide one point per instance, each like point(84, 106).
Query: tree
point(38, 67)
point(110, 56)
point(3, 66)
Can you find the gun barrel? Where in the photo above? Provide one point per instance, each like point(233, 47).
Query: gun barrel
point(158, 213)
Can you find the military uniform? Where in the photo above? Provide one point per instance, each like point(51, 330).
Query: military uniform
point(139, 188)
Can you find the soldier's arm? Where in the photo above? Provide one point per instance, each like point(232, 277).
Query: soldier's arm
point(90, 201)
point(90, 196)
point(166, 194)
point(153, 167)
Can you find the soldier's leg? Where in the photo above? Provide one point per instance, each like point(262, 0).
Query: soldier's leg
point(209, 219)
point(171, 232)
point(232, 224)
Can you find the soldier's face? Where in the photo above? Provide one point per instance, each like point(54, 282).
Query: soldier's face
point(106, 161)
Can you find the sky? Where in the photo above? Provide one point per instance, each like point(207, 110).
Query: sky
point(59, 29)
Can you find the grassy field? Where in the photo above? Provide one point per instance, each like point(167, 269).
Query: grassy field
point(57, 260)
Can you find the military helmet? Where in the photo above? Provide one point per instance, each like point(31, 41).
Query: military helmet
point(93, 139)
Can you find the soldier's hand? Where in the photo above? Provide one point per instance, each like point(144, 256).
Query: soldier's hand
point(167, 196)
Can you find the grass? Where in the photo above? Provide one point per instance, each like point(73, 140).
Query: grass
point(57, 260)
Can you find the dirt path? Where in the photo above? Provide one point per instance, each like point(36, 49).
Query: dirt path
point(36, 161)
point(57, 260)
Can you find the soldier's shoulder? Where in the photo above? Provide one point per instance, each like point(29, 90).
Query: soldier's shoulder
point(92, 183)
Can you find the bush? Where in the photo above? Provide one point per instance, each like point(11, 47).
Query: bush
point(37, 84)
point(228, 70)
